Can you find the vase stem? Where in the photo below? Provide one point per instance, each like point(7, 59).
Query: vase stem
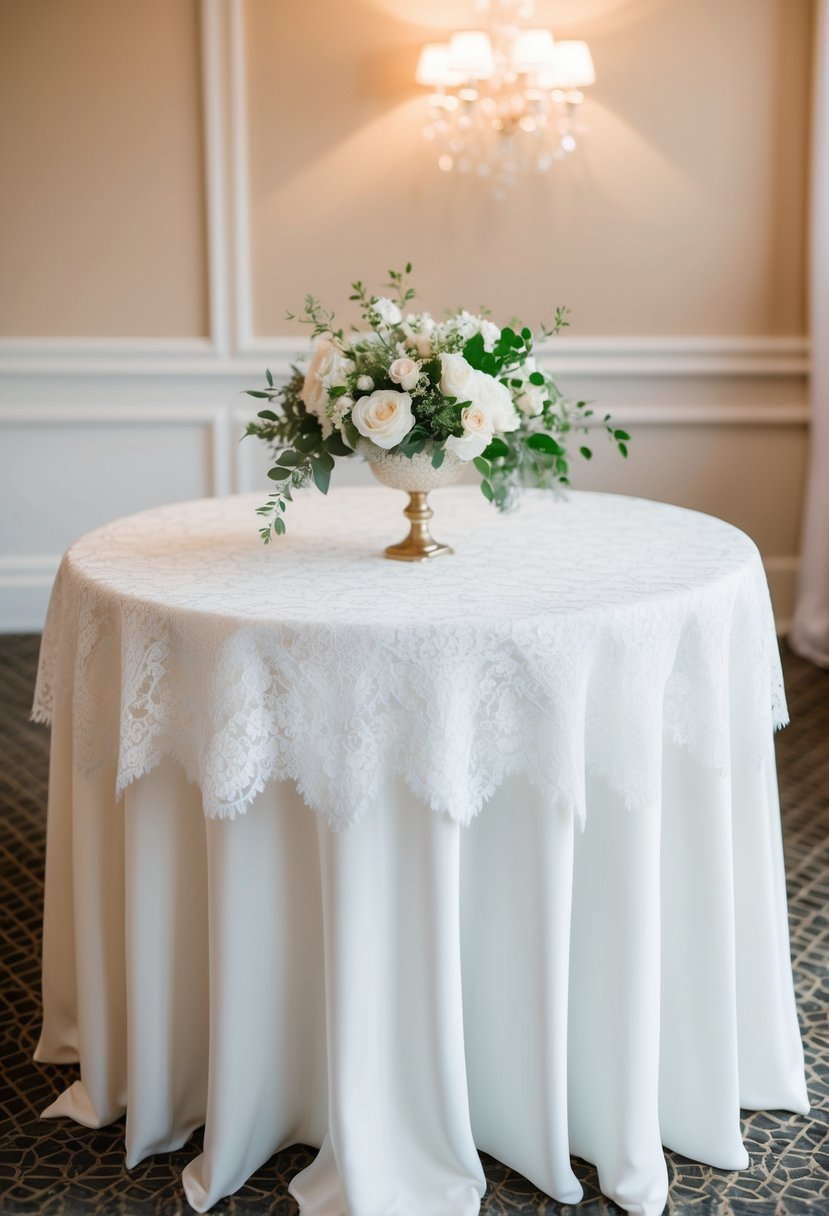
point(419, 544)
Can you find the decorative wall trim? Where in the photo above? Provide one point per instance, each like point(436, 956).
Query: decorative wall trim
point(217, 422)
point(229, 419)
point(783, 414)
point(629, 356)
point(214, 123)
point(672, 358)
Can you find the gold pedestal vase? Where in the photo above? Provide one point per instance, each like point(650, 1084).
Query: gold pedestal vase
point(418, 477)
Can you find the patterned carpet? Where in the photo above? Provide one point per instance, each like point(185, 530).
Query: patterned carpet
point(61, 1169)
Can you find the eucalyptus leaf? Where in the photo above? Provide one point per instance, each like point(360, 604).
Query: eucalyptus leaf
point(337, 446)
point(321, 473)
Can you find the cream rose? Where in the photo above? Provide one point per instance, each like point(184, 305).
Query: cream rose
point(477, 433)
point(387, 310)
point(385, 417)
point(405, 372)
point(328, 369)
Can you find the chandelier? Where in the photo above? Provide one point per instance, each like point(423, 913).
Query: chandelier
point(504, 101)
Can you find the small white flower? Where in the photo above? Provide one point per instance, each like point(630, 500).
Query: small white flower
point(405, 372)
point(490, 334)
point(418, 328)
point(338, 409)
point(530, 398)
point(365, 384)
point(384, 417)
point(387, 310)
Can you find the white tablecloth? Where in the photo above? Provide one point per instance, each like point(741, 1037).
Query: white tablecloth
point(595, 964)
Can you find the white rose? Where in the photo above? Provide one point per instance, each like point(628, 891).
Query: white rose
point(530, 398)
point(405, 372)
point(385, 417)
point(495, 398)
point(365, 384)
point(387, 310)
point(477, 433)
point(457, 378)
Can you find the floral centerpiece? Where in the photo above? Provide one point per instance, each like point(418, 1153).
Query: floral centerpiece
point(421, 400)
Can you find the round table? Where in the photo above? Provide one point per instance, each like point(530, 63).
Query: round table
point(407, 861)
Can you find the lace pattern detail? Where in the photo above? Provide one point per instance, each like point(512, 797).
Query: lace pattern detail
point(568, 638)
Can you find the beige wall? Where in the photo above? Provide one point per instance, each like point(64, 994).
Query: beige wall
point(682, 214)
point(102, 227)
point(175, 174)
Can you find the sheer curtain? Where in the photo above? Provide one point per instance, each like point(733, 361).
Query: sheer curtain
point(810, 632)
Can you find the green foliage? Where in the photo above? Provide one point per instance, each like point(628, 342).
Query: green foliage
point(301, 454)
point(535, 454)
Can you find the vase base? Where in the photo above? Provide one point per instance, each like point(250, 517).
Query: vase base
point(419, 545)
point(409, 551)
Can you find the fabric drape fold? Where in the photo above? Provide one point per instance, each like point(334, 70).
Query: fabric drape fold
point(410, 991)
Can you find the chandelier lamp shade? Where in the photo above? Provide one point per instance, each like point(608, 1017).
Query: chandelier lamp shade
point(504, 101)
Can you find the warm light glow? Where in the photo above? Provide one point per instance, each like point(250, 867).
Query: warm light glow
point(470, 54)
point(572, 67)
point(533, 51)
point(504, 102)
point(433, 67)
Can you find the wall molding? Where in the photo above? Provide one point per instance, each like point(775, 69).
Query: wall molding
point(217, 421)
point(226, 420)
point(619, 357)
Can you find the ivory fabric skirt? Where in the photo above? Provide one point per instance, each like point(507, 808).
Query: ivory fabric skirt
point(408, 991)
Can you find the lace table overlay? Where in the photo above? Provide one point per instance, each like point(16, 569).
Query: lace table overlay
point(567, 638)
